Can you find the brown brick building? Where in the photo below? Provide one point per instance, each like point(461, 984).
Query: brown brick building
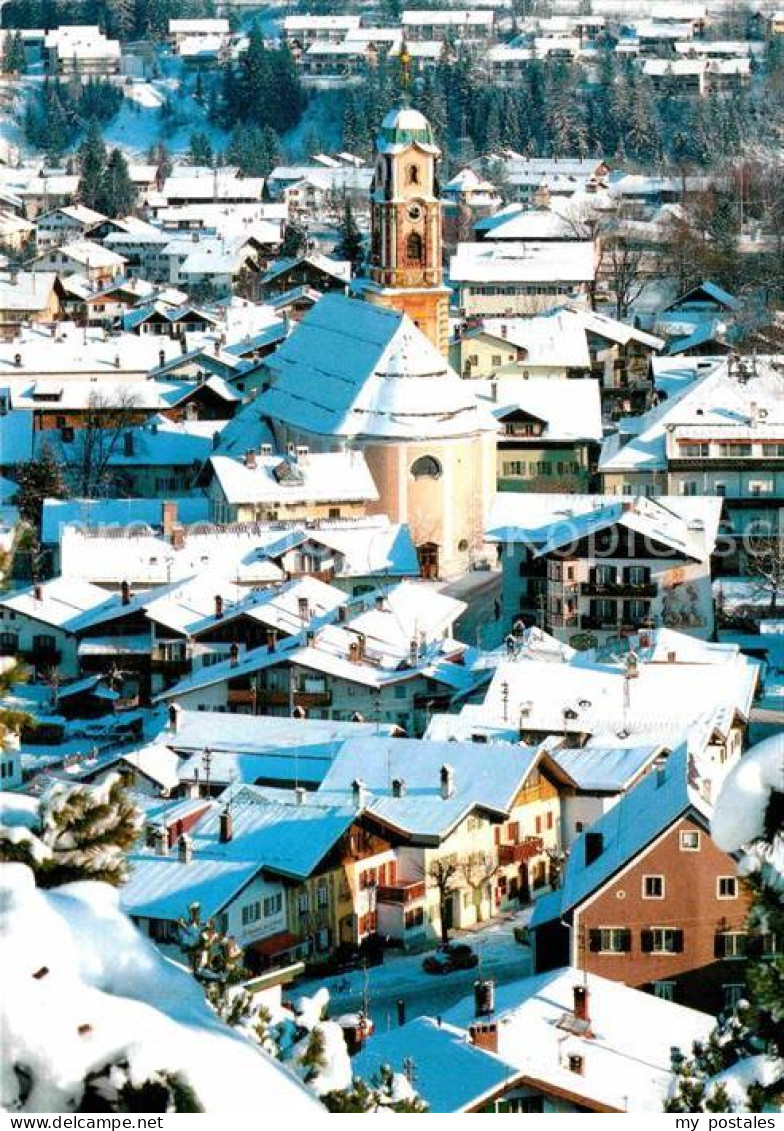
point(649, 900)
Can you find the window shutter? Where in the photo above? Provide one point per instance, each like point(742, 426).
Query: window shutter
point(594, 940)
point(677, 942)
point(719, 946)
point(646, 942)
point(626, 940)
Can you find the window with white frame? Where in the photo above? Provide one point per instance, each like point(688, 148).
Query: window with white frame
point(251, 913)
point(726, 887)
point(653, 887)
point(690, 841)
point(664, 940)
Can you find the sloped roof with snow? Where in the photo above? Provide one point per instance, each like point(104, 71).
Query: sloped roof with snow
point(352, 369)
point(626, 1057)
point(569, 413)
point(320, 477)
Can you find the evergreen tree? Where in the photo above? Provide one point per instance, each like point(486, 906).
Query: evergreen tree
point(92, 156)
point(200, 149)
point(82, 832)
point(118, 194)
point(39, 479)
point(350, 246)
point(13, 54)
point(120, 18)
point(295, 241)
point(112, 1088)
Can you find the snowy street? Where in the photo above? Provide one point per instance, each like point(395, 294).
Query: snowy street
point(402, 976)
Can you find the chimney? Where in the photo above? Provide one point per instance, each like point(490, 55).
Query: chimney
point(226, 827)
point(398, 787)
point(300, 793)
point(484, 1035)
point(185, 849)
point(660, 766)
point(302, 454)
point(117, 361)
point(359, 793)
point(218, 606)
point(174, 717)
point(580, 1003)
point(342, 614)
point(671, 657)
point(303, 608)
point(160, 841)
point(178, 537)
point(161, 357)
point(594, 847)
point(447, 781)
point(380, 602)
point(250, 459)
point(125, 593)
point(168, 518)
point(38, 593)
point(484, 997)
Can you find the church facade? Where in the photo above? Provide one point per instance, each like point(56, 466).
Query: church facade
point(371, 375)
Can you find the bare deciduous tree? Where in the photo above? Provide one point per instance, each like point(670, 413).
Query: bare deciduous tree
point(765, 556)
point(476, 871)
point(443, 874)
point(99, 438)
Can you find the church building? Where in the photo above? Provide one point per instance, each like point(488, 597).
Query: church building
point(371, 376)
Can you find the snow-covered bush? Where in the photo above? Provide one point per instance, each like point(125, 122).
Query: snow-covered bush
point(95, 1018)
point(741, 1066)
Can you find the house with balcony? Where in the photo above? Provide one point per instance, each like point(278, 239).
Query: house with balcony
point(680, 929)
point(720, 434)
point(270, 870)
point(490, 829)
point(586, 568)
point(389, 657)
point(467, 25)
point(300, 31)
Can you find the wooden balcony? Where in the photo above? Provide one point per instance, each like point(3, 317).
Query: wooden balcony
point(402, 893)
point(280, 697)
point(521, 852)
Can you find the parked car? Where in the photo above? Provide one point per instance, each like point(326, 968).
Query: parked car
point(452, 956)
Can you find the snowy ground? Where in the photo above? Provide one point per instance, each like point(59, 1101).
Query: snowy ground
point(402, 976)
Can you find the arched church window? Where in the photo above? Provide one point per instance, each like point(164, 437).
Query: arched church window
point(426, 467)
point(414, 248)
point(412, 175)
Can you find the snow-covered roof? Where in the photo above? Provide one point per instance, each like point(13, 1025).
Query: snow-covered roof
point(530, 262)
point(60, 513)
point(568, 413)
point(479, 782)
point(626, 1056)
point(683, 686)
point(353, 369)
point(687, 524)
point(62, 601)
point(599, 769)
point(339, 269)
point(284, 839)
point(452, 1075)
point(316, 478)
point(27, 290)
point(717, 399)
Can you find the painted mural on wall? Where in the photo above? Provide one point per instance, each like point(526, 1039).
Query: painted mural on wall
point(680, 602)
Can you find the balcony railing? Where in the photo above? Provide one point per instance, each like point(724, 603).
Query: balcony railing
point(281, 697)
point(608, 624)
point(401, 893)
point(529, 847)
point(614, 589)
